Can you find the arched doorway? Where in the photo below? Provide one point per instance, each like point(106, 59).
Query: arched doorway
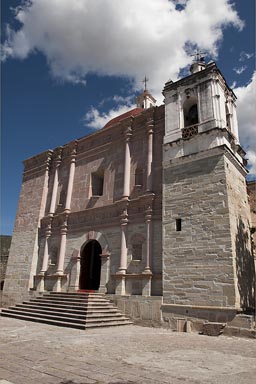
point(90, 266)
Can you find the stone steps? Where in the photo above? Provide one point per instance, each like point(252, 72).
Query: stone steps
point(69, 306)
point(80, 315)
point(67, 309)
point(79, 311)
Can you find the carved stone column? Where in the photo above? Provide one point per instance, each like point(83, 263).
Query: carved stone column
point(127, 163)
point(146, 290)
point(120, 288)
point(123, 253)
point(55, 182)
point(63, 240)
point(150, 126)
point(104, 276)
point(48, 233)
point(148, 219)
point(75, 271)
point(216, 102)
point(71, 177)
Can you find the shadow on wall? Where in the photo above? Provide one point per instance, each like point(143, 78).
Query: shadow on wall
point(245, 268)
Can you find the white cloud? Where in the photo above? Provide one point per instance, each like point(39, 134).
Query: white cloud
point(240, 70)
point(245, 56)
point(233, 85)
point(246, 112)
point(97, 120)
point(124, 38)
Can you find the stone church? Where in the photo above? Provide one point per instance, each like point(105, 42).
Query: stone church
point(151, 210)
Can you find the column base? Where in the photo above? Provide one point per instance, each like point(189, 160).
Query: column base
point(40, 286)
point(146, 283)
point(121, 272)
point(102, 289)
point(147, 271)
point(58, 285)
point(120, 285)
point(59, 273)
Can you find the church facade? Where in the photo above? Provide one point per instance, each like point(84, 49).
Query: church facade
point(151, 210)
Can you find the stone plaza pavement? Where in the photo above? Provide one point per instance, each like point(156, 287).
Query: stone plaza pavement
point(33, 353)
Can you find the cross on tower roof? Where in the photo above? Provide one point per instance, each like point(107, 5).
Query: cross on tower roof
point(145, 80)
point(198, 56)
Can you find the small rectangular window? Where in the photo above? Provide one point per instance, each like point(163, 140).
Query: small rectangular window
point(139, 177)
point(97, 183)
point(178, 225)
point(137, 251)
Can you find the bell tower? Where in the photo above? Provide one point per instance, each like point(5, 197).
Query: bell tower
point(206, 220)
point(202, 103)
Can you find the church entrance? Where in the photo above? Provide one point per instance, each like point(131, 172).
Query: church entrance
point(90, 266)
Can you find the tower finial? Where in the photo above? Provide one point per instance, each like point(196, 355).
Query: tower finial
point(145, 80)
point(145, 99)
point(198, 58)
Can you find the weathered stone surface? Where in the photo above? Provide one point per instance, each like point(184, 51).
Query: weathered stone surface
point(213, 329)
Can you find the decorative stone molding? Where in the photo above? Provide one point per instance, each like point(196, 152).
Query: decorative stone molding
point(189, 132)
point(93, 235)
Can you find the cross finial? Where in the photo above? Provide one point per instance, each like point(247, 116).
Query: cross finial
point(145, 80)
point(198, 56)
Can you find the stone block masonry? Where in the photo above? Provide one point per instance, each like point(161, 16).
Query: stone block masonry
point(24, 247)
point(199, 256)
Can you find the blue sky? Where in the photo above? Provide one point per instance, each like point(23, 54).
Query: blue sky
point(69, 66)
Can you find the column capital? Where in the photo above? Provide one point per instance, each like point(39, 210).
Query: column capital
point(148, 213)
point(128, 133)
point(124, 217)
point(63, 220)
point(48, 230)
point(58, 156)
point(73, 150)
point(48, 159)
point(150, 125)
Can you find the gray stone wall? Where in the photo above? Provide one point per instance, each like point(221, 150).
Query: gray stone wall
point(251, 188)
point(198, 260)
point(5, 243)
point(240, 223)
point(24, 246)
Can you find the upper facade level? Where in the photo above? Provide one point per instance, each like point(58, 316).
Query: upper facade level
point(97, 164)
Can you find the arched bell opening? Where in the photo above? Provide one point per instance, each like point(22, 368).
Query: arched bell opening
point(190, 112)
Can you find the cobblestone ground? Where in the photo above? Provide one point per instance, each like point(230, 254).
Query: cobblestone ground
point(33, 353)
